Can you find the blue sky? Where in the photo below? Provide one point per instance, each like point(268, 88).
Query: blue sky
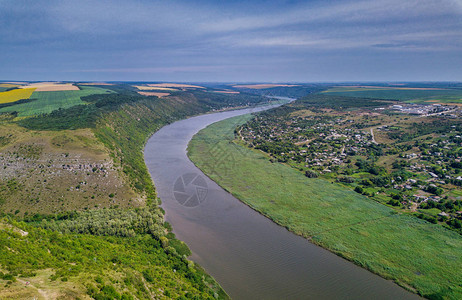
point(231, 41)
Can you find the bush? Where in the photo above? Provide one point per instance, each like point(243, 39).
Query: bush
point(7, 277)
point(359, 189)
point(311, 174)
point(346, 179)
point(394, 202)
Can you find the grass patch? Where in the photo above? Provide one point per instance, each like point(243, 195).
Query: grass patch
point(395, 246)
point(15, 95)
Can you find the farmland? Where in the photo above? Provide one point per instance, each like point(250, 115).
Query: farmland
point(176, 85)
point(15, 95)
point(154, 88)
point(157, 94)
point(262, 86)
point(415, 95)
point(6, 86)
point(393, 245)
point(49, 101)
point(51, 86)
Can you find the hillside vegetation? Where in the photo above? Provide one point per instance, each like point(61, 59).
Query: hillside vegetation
point(48, 264)
point(77, 184)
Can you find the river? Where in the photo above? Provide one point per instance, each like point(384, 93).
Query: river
point(249, 255)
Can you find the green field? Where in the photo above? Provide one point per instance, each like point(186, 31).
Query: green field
point(49, 101)
point(420, 256)
point(408, 95)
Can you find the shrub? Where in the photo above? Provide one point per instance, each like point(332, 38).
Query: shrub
point(311, 174)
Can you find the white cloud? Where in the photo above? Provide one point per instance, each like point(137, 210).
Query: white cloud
point(357, 11)
point(205, 68)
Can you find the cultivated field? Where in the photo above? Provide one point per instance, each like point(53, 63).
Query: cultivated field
point(51, 86)
point(416, 254)
point(417, 95)
point(226, 92)
point(15, 95)
point(49, 101)
point(157, 94)
point(8, 85)
point(176, 85)
point(153, 88)
point(96, 83)
point(262, 86)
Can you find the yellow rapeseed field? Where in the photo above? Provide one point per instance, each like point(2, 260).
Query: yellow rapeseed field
point(15, 95)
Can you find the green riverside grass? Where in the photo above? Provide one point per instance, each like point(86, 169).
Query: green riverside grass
point(420, 256)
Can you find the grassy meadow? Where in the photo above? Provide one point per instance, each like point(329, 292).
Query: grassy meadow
point(15, 95)
point(49, 101)
point(419, 256)
point(402, 94)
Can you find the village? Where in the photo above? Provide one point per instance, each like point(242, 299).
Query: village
point(426, 109)
point(411, 162)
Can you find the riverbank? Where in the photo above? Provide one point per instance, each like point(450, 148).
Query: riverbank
point(396, 247)
point(248, 254)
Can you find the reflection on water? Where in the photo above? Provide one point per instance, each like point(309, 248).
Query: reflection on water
point(249, 255)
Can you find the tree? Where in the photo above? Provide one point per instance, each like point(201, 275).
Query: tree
point(359, 189)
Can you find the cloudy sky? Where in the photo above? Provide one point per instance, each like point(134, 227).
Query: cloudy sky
point(231, 41)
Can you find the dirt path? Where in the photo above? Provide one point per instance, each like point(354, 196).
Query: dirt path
point(373, 138)
point(44, 294)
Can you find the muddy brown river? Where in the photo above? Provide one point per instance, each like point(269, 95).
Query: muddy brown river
point(249, 255)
